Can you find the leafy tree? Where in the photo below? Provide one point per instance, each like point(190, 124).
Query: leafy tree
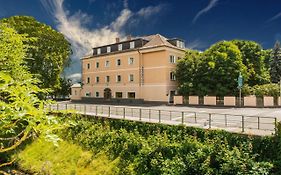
point(186, 71)
point(21, 112)
point(48, 53)
point(275, 64)
point(254, 59)
point(219, 68)
point(64, 89)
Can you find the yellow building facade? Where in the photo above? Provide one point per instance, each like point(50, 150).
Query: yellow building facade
point(140, 68)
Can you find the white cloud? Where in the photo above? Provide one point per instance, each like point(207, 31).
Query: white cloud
point(211, 5)
point(76, 77)
point(82, 39)
point(196, 44)
point(150, 10)
point(275, 17)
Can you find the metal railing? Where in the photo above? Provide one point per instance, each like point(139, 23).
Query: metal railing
point(259, 125)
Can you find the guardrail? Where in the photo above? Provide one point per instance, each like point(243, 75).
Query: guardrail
point(258, 125)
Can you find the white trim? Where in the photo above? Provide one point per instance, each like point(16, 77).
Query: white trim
point(108, 49)
point(120, 47)
point(132, 45)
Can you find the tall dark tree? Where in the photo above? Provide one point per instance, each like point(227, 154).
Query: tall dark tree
point(48, 52)
point(275, 63)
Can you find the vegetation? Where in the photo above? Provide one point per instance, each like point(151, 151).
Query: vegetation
point(46, 158)
point(215, 71)
point(48, 52)
point(22, 113)
point(275, 63)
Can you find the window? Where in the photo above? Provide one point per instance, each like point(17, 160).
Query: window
point(107, 79)
point(88, 80)
point(131, 77)
point(97, 79)
point(97, 64)
point(119, 47)
point(88, 94)
point(118, 95)
point(88, 66)
point(97, 94)
point(131, 60)
point(118, 78)
point(108, 49)
point(132, 45)
point(118, 62)
point(172, 59)
point(172, 76)
point(98, 51)
point(106, 63)
point(131, 95)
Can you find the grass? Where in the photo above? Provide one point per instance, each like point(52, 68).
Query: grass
point(44, 157)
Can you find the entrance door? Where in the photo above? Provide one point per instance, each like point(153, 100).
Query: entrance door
point(171, 97)
point(107, 94)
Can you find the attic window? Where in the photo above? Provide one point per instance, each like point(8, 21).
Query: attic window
point(119, 47)
point(98, 51)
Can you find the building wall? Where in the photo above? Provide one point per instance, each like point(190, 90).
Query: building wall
point(151, 70)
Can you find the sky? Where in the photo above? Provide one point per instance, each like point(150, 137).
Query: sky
point(201, 23)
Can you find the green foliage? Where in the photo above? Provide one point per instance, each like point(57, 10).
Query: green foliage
point(64, 89)
point(253, 57)
point(262, 90)
point(45, 158)
point(275, 63)
point(48, 52)
point(161, 149)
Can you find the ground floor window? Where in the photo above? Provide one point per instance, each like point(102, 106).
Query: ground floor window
point(97, 94)
point(131, 95)
point(118, 95)
point(88, 94)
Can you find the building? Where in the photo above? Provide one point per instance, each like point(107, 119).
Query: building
point(138, 68)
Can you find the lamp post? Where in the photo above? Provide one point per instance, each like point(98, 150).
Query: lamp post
point(240, 84)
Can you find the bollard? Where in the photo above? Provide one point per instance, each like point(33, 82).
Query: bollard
point(182, 118)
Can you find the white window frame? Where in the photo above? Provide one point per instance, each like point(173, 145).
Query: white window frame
point(108, 49)
point(172, 59)
point(107, 80)
point(117, 62)
point(119, 47)
point(172, 76)
point(132, 45)
point(117, 78)
point(131, 79)
point(105, 64)
point(97, 94)
point(129, 60)
point(98, 51)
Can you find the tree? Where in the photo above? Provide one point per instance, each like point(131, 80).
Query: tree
point(275, 63)
point(219, 68)
point(64, 89)
point(48, 51)
point(186, 71)
point(22, 114)
point(253, 57)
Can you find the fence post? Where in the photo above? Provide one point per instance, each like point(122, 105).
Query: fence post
point(195, 117)
point(275, 123)
point(210, 120)
point(140, 114)
point(225, 119)
point(108, 111)
point(96, 110)
point(57, 106)
point(65, 106)
point(182, 117)
point(170, 115)
point(124, 111)
point(243, 123)
point(258, 122)
point(159, 116)
point(85, 109)
point(75, 106)
point(149, 114)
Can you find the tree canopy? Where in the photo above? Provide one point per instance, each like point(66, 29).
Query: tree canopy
point(275, 64)
point(48, 52)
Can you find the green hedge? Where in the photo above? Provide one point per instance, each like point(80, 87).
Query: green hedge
point(162, 149)
point(262, 90)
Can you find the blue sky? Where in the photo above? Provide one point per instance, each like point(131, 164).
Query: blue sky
point(89, 23)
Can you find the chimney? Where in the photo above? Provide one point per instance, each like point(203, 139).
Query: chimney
point(117, 40)
point(129, 37)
